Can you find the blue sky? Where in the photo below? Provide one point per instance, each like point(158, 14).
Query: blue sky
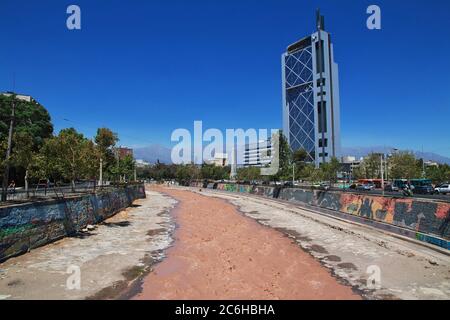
point(145, 68)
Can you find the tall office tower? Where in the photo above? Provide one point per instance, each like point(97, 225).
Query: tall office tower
point(311, 115)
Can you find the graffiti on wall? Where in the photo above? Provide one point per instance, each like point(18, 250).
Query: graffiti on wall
point(24, 227)
point(297, 195)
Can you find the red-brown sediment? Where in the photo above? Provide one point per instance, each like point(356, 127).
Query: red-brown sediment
point(220, 254)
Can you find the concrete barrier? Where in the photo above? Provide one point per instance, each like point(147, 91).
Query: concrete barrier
point(297, 195)
point(264, 191)
point(421, 215)
point(27, 226)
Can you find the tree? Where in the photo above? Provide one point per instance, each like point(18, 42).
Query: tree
point(438, 174)
point(30, 117)
point(311, 173)
point(370, 166)
point(213, 172)
point(45, 164)
point(248, 174)
point(105, 141)
point(330, 169)
point(126, 166)
point(3, 147)
point(23, 153)
point(285, 154)
point(403, 166)
point(300, 156)
point(69, 156)
point(31, 120)
point(187, 172)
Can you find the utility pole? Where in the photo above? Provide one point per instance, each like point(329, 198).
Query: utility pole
point(386, 167)
point(101, 172)
point(293, 173)
point(8, 151)
point(423, 164)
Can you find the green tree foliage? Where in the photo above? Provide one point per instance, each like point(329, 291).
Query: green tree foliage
point(24, 151)
point(187, 172)
point(311, 173)
point(285, 153)
point(404, 166)
point(438, 174)
point(299, 157)
point(369, 168)
point(30, 117)
point(3, 147)
point(125, 167)
point(105, 141)
point(248, 174)
point(68, 156)
point(158, 172)
point(212, 172)
point(161, 171)
point(330, 169)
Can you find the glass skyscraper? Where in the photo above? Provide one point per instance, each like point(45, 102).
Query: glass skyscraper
point(311, 115)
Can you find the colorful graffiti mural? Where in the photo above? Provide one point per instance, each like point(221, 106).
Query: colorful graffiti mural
point(28, 226)
point(257, 190)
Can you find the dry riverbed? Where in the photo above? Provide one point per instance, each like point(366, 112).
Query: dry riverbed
point(110, 258)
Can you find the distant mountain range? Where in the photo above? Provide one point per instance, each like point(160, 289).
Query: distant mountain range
point(153, 153)
point(359, 152)
point(156, 152)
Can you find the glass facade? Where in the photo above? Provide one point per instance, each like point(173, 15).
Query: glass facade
point(300, 100)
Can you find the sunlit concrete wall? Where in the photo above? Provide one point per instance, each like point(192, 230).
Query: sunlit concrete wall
point(27, 226)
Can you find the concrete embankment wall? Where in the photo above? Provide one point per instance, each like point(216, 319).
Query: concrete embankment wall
point(28, 226)
point(428, 220)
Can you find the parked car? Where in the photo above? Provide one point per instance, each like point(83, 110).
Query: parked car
point(353, 186)
point(288, 184)
point(423, 189)
point(442, 189)
point(365, 187)
point(321, 186)
point(421, 186)
point(391, 188)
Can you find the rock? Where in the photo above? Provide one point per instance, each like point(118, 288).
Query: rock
point(84, 230)
point(90, 227)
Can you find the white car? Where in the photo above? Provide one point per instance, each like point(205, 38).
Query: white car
point(442, 189)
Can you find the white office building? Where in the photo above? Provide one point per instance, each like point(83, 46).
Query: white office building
point(259, 154)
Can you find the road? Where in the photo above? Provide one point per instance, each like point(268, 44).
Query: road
point(183, 243)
